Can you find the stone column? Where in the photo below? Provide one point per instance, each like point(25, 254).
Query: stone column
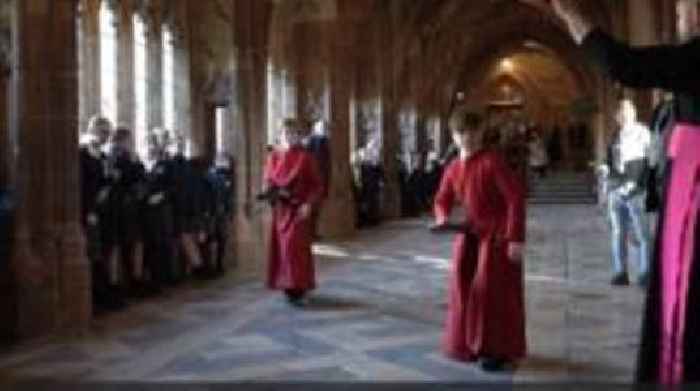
point(125, 61)
point(248, 110)
point(196, 73)
point(5, 139)
point(52, 273)
point(340, 205)
point(183, 89)
point(90, 60)
point(155, 64)
point(389, 101)
point(7, 296)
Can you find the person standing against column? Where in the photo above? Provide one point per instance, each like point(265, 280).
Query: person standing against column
point(293, 186)
point(628, 167)
point(670, 345)
point(485, 310)
point(317, 144)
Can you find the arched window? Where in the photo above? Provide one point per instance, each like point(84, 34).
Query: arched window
point(140, 83)
point(220, 128)
point(273, 105)
point(108, 61)
point(168, 79)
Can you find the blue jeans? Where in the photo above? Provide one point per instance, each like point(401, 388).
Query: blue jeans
point(626, 212)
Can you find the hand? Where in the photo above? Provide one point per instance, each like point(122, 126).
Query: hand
point(603, 170)
point(92, 219)
point(438, 225)
point(570, 12)
point(626, 189)
point(155, 199)
point(202, 237)
point(516, 251)
point(305, 211)
point(102, 195)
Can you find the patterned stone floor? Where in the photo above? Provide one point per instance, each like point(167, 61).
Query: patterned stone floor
point(377, 316)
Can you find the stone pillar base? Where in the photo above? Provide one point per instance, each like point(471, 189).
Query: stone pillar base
point(338, 218)
point(75, 282)
point(391, 206)
point(251, 245)
point(34, 304)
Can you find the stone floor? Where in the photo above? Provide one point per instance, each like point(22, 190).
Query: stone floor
point(377, 316)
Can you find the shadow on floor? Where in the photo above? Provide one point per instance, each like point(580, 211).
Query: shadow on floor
point(328, 303)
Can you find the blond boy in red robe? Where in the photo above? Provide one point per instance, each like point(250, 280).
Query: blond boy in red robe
point(485, 315)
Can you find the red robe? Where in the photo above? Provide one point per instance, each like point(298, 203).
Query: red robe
point(290, 264)
point(485, 311)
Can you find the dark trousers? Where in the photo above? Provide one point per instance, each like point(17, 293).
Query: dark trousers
point(158, 244)
point(214, 248)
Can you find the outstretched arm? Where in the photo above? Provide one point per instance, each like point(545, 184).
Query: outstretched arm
point(669, 67)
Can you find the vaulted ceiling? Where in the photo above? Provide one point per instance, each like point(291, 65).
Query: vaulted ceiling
point(439, 47)
point(461, 41)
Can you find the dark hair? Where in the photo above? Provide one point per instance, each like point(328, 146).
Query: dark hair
point(121, 134)
point(297, 124)
point(463, 120)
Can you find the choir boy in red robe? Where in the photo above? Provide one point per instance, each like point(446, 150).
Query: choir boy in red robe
point(293, 186)
point(485, 313)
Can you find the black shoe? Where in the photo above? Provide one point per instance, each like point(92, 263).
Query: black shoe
point(643, 280)
point(620, 280)
point(296, 300)
point(114, 300)
point(493, 364)
point(201, 273)
point(139, 291)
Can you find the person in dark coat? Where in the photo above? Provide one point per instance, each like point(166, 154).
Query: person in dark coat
point(186, 223)
point(157, 209)
point(94, 193)
point(372, 182)
point(221, 181)
point(204, 206)
point(124, 234)
point(670, 344)
point(318, 145)
point(661, 124)
point(418, 187)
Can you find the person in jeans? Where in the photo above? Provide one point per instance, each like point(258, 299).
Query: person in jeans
point(628, 165)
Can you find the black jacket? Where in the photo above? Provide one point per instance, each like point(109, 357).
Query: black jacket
point(93, 178)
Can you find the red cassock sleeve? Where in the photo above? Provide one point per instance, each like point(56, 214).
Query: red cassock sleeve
point(269, 167)
point(513, 193)
point(445, 196)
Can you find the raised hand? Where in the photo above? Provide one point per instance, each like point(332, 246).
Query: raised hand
point(516, 252)
point(571, 13)
point(305, 211)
